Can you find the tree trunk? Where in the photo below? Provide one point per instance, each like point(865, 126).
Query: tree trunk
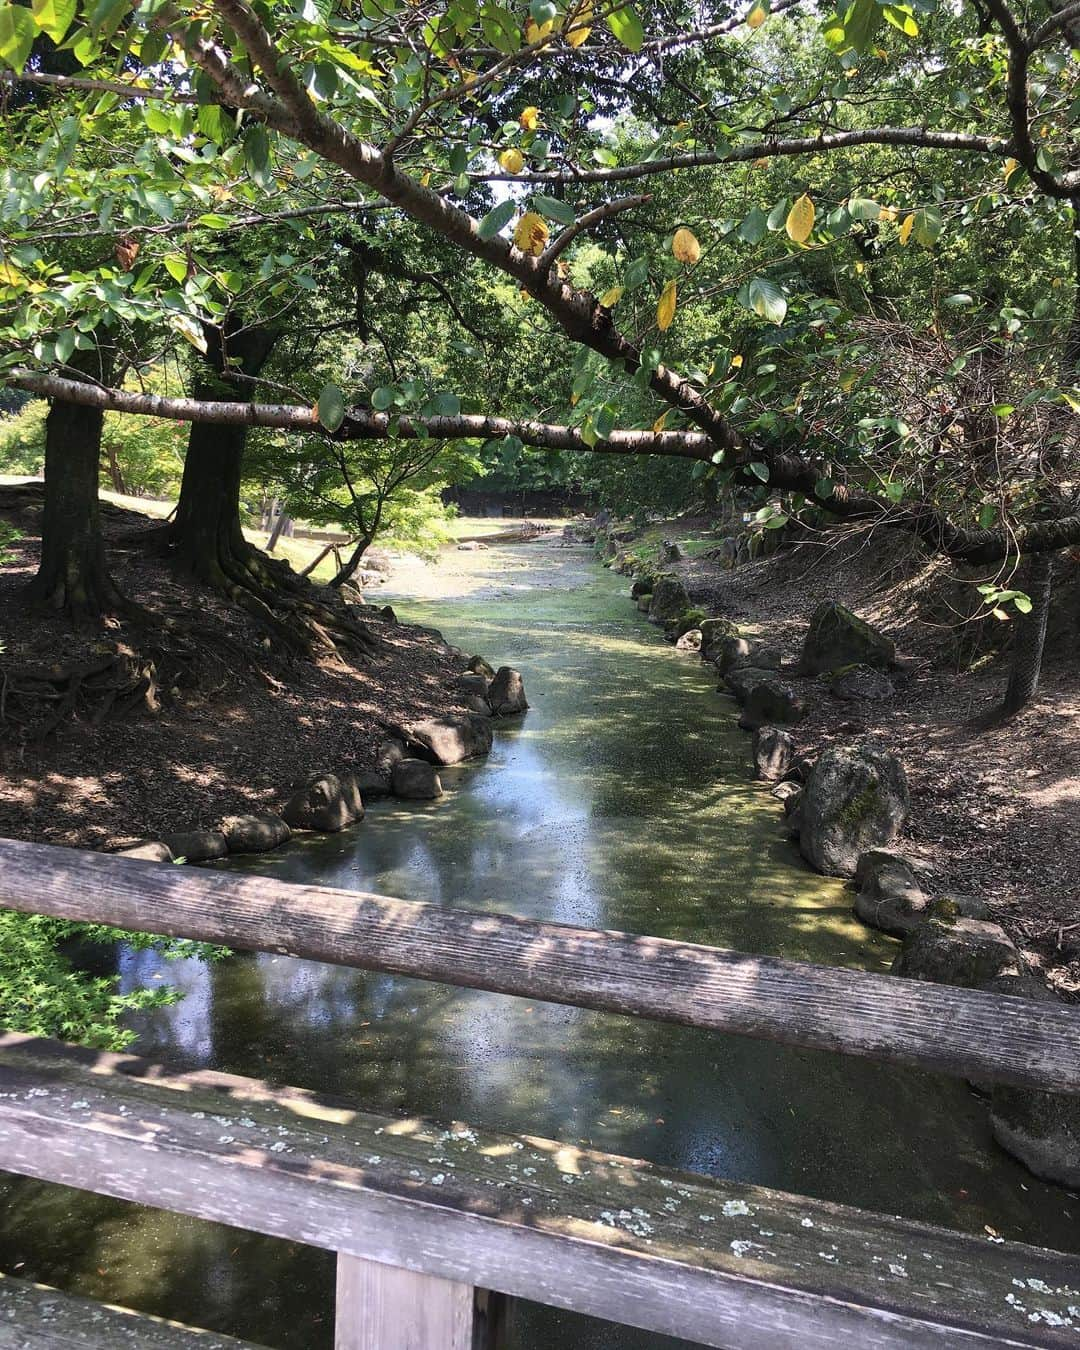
point(206, 535)
point(1030, 635)
point(346, 572)
point(116, 474)
point(280, 525)
point(72, 575)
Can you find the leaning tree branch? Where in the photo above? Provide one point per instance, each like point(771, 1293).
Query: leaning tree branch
point(788, 473)
point(359, 424)
point(768, 147)
point(587, 221)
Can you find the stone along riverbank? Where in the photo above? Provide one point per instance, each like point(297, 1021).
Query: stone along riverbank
point(622, 799)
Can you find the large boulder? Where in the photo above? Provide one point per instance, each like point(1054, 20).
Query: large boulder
point(473, 684)
point(856, 799)
point(964, 952)
point(773, 752)
point(643, 585)
point(478, 666)
point(837, 637)
point(669, 600)
point(742, 679)
point(255, 833)
point(890, 894)
point(506, 694)
point(740, 654)
point(327, 802)
point(713, 632)
point(149, 850)
point(449, 740)
point(770, 700)
point(417, 780)
point(196, 845)
point(690, 641)
point(861, 683)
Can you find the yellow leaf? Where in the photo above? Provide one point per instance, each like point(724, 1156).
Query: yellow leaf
point(535, 32)
point(611, 297)
point(425, 178)
point(531, 234)
point(736, 362)
point(762, 163)
point(530, 119)
point(848, 379)
point(1007, 170)
point(665, 306)
point(685, 246)
point(10, 276)
point(578, 24)
point(800, 221)
point(658, 425)
point(757, 16)
point(907, 226)
point(887, 213)
point(513, 161)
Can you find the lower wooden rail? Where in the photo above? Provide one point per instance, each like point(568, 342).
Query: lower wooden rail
point(422, 1215)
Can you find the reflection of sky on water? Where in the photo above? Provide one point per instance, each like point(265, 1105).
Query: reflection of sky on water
point(622, 800)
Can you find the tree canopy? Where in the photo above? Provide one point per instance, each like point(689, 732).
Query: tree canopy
point(830, 257)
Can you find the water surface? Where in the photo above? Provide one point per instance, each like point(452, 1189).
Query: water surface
point(622, 800)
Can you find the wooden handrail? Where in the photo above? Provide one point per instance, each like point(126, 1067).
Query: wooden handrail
point(990, 1037)
point(718, 1262)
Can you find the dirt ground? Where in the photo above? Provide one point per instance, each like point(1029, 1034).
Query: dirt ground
point(995, 810)
point(237, 722)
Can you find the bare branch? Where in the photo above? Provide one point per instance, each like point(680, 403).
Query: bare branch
point(587, 221)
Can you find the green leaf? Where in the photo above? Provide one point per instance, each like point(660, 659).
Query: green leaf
point(257, 155)
point(759, 470)
point(927, 226)
point(754, 227)
point(1022, 602)
point(823, 487)
point(767, 300)
point(626, 26)
point(554, 209)
point(496, 218)
point(54, 17)
point(65, 344)
point(442, 405)
point(901, 17)
point(331, 407)
point(862, 208)
point(861, 23)
point(176, 266)
point(384, 397)
point(636, 273)
point(216, 124)
point(17, 34)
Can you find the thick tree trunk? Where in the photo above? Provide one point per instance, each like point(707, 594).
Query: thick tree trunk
point(206, 535)
point(72, 575)
point(1030, 635)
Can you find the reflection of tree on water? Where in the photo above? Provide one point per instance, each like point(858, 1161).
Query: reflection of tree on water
point(620, 801)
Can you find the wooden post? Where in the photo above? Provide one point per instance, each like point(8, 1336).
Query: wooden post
point(383, 1307)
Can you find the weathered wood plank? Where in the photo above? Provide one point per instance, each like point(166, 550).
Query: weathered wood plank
point(716, 1262)
point(35, 1317)
point(986, 1036)
point(387, 1308)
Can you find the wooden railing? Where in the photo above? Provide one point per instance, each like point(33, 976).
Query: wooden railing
point(426, 1220)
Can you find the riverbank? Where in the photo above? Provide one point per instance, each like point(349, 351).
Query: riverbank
point(226, 720)
point(995, 809)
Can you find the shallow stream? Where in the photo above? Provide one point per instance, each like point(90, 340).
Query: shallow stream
point(622, 800)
